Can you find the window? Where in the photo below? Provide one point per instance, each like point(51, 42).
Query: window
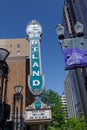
point(10, 45)
point(18, 52)
point(18, 45)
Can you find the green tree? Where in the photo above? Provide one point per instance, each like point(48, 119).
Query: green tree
point(58, 121)
point(53, 99)
point(76, 124)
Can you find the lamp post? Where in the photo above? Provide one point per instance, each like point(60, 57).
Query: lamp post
point(18, 108)
point(74, 50)
point(3, 74)
point(4, 107)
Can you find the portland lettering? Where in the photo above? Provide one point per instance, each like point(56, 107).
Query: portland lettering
point(36, 78)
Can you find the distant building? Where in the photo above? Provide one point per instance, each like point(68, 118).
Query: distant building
point(64, 104)
point(74, 10)
point(69, 97)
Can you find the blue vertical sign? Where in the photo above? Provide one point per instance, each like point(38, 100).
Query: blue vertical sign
point(35, 80)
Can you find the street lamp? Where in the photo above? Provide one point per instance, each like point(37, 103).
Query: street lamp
point(78, 29)
point(18, 108)
point(3, 73)
point(4, 69)
point(60, 31)
point(75, 55)
point(18, 89)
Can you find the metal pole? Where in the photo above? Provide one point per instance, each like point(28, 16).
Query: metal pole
point(2, 83)
point(13, 112)
point(16, 118)
point(18, 106)
point(82, 90)
point(21, 109)
point(3, 118)
point(5, 89)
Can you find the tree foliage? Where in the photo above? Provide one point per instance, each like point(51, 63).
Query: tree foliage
point(53, 99)
point(76, 124)
point(58, 121)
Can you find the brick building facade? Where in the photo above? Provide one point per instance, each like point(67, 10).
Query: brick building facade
point(18, 62)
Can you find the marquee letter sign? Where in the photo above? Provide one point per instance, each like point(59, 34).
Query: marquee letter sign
point(35, 80)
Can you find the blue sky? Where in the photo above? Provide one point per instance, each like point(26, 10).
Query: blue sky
point(15, 15)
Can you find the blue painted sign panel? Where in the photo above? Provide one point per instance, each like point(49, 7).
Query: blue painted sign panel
point(35, 80)
point(36, 84)
point(38, 105)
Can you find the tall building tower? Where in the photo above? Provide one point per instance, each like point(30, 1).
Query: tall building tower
point(64, 104)
point(76, 10)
